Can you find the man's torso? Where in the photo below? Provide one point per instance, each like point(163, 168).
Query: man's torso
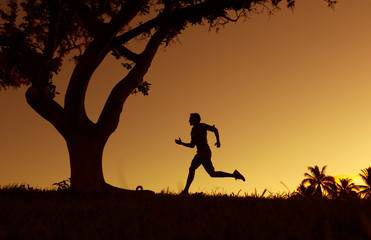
point(199, 137)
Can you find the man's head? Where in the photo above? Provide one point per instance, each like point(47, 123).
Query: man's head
point(194, 119)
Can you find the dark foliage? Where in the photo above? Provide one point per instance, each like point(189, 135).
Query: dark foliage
point(63, 185)
point(366, 177)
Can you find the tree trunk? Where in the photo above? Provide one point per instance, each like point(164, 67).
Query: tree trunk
point(86, 163)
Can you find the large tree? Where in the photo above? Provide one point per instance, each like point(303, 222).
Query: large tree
point(36, 36)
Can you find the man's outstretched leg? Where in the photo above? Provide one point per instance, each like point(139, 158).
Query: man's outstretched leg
point(235, 174)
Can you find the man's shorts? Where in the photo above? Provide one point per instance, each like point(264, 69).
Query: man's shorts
point(203, 158)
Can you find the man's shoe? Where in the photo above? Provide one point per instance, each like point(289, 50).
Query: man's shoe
point(238, 175)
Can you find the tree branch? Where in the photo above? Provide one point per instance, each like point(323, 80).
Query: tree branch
point(76, 91)
point(44, 105)
point(125, 37)
point(109, 118)
point(193, 13)
point(54, 21)
point(127, 13)
point(123, 51)
point(94, 55)
point(155, 22)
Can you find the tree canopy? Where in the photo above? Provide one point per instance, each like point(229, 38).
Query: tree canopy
point(36, 35)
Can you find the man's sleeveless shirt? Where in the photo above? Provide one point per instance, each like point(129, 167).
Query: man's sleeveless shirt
point(199, 137)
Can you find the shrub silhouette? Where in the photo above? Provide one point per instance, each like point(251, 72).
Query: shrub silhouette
point(366, 177)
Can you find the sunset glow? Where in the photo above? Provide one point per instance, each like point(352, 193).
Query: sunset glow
point(286, 92)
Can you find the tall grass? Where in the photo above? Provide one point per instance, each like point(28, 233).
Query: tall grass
point(29, 213)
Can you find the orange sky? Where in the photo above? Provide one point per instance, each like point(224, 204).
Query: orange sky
point(285, 92)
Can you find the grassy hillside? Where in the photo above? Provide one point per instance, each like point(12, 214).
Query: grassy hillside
point(41, 214)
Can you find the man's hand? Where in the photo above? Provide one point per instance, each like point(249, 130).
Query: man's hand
point(178, 141)
point(217, 144)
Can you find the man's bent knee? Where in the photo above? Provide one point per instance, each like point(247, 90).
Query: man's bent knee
point(212, 173)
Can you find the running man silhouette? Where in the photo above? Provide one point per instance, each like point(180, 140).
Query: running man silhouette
point(203, 156)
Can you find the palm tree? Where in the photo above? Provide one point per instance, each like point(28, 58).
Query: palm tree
point(346, 189)
point(319, 181)
point(366, 177)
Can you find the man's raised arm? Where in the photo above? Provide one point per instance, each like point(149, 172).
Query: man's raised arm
point(216, 132)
